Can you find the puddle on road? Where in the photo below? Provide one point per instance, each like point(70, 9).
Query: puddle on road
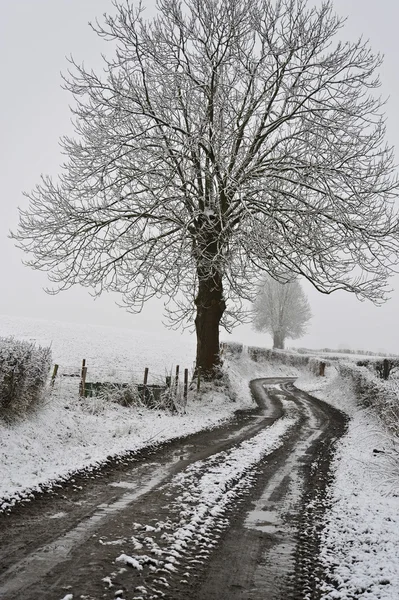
point(267, 521)
point(127, 485)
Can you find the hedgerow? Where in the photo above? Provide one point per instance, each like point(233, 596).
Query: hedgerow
point(373, 392)
point(287, 358)
point(231, 348)
point(24, 369)
point(383, 368)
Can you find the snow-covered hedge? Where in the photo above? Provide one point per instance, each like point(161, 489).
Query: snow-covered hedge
point(24, 369)
point(287, 358)
point(374, 392)
point(382, 367)
point(231, 348)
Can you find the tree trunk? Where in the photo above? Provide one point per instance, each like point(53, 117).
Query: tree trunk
point(278, 340)
point(210, 308)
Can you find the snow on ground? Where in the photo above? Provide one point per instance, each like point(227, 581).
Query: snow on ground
point(111, 353)
point(241, 371)
point(360, 543)
point(68, 434)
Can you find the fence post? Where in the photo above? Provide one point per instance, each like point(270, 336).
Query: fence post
point(322, 369)
point(82, 390)
point(386, 369)
point(198, 379)
point(145, 389)
point(54, 375)
point(185, 384)
point(177, 377)
point(82, 379)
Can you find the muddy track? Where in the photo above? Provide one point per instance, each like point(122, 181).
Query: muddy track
point(128, 531)
point(272, 544)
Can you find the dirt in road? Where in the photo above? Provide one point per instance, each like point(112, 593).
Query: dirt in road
point(183, 521)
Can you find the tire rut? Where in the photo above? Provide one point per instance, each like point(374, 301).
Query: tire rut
point(308, 571)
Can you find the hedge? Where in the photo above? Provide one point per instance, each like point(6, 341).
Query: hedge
point(24, 369)
point(231, 348)
point(382, 367)
point(314, 365)
point(372, 392)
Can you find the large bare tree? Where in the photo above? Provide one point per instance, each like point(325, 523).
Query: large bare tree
point(281, 309)
point(223, 138)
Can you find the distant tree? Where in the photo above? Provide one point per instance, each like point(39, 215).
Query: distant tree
point(282, 310)
point(224, 139)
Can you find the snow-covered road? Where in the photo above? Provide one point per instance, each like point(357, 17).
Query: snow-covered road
point(173, 522)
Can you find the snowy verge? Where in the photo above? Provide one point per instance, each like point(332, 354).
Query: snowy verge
point(360, 542)
point(67, 434)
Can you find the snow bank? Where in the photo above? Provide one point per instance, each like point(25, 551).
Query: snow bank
point(360, 541)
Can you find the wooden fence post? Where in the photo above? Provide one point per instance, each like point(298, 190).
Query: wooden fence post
point(386, 369)
point(322, 369)
point(82, 379)
point(177, 377)
point(185, 384)
point(82, 390)
point(145, 389)
point(54, 375)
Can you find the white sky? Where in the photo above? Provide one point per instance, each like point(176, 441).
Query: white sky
point(35, 38)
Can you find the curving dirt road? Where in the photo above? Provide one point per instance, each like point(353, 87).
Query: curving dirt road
point(232, 513)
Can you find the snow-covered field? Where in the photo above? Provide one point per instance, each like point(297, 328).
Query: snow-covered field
point(110, 352)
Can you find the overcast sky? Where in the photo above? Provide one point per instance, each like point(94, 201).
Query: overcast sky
point(35, 38)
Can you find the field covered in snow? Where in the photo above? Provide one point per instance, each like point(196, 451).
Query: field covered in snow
point(110, 352)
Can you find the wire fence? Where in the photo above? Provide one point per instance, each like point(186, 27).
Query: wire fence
point(102, 373)
point(90, 380)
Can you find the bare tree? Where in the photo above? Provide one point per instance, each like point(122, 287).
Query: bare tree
point(281, 309)
point(225, 138)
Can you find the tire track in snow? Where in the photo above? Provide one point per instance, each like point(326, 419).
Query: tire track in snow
point(203, 494)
